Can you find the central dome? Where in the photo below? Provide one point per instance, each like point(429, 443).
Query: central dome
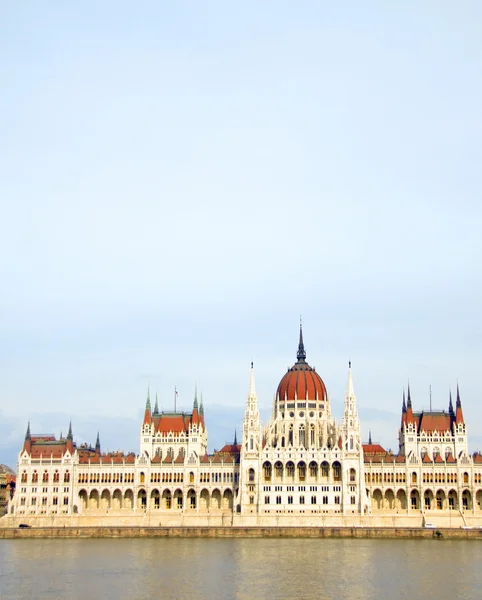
point(301, 382)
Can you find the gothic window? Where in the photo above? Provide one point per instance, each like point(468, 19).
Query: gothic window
point(352, 475)
point(312, 435)
point(66, 477)
point(301, 471)
point(414, 477)
point(34, 477)
point(266, 499)
point(142, 477)
point(466, 478)
point(313, 469)
point(251, 444)
point(24, 477)
point(302, 436)
point(290, 469)
point(351, 443)
point(267, 471)
point(302, 499)
point(290, 436)
point(336, 471)
point(251, 475)
point(279, 469)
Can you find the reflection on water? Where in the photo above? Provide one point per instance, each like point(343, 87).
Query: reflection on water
point(135, 569)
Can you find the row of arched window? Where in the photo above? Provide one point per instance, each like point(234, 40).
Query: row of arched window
point(45, 477)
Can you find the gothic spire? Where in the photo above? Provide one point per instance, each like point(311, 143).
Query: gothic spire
point(156, 406)
point(252, 389)
point(195, 405)
point(27, 434)
point(370, 437)
point(451, 406)
point(97, 443)
point(201, 406)
point(458, 403)
point(148, 401)
point(301, 354)
point(409, 398)
point(69, 435)
point(404, 406)
point(235, 438)
point(350, 392)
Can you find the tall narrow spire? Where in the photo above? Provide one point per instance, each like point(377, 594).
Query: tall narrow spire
point(404, 406)
point(27, 433)
point(195, 404)
point(252, 388)
point(97, 444)
point(148, 401)
point(69, 435)
point(301, 354)
point(451, 406)
point(235, 438)
point(350, 392)
point(409, 398)
point(459, 417)
point(370, 437)
point(201, 405)
point(156, 406)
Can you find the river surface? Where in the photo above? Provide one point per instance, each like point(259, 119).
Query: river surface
point(215, 569)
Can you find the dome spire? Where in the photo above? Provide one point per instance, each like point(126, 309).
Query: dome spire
point(301, 354)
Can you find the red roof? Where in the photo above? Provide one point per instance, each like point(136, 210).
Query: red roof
point(373, 450)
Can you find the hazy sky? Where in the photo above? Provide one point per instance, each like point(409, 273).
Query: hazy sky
point(179, 181)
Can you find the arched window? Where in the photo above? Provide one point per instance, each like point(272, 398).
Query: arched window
point(45, 477)
point(414, 477)
point(301, 434)
point(267, 471)
point(290, 469)
point(312, 435)
point(466, 478)
point(352, 475)
point(191, 477)
point(142, 477)
point(56, 476)
point(34, 477)
point(336, 471)
point(66, 477)
point(290, 436)
point(24, 477)
point(251, 475)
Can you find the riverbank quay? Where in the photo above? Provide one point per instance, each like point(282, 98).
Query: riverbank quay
point(241, 532)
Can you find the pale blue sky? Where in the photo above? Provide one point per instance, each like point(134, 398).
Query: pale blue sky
point(180, 180)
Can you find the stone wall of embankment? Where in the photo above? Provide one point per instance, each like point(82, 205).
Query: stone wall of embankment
point(240, 532)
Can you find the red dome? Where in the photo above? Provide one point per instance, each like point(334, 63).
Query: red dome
point(301, 380)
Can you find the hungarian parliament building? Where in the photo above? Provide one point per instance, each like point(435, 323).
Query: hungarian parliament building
point(302, 468)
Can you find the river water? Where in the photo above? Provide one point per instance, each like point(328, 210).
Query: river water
point(185, 568)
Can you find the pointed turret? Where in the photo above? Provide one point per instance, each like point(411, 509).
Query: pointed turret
point(147, 412)
point(156, 406)
point(301, 354)
point(252, 387)
point(459, 417)
point(351, 424)
point(404, 406)
point(370, 437)
point(97, 444)
point(195, 410)
point(451, 406)
point(201, 406)
point(27, 445)
point(235, 443)
point(409, 406)
point(70, 440)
